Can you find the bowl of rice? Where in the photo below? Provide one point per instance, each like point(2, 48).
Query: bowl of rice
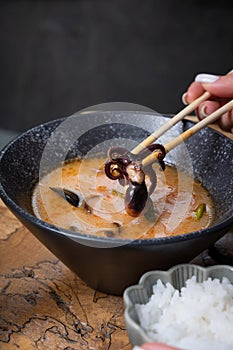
point(188, 307)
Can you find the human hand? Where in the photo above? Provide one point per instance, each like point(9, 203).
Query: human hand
point(154, 346)
point(221, 89)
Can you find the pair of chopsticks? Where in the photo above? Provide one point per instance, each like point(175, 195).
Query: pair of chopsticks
point(185, 135)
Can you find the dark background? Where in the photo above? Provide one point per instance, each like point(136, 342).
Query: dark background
point(58, 57)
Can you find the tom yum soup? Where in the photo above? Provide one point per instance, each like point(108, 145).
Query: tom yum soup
point(78, 196)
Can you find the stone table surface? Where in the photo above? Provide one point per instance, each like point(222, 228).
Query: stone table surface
point(43, 305)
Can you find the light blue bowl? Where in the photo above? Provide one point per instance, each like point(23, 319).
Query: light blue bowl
point(177, 276)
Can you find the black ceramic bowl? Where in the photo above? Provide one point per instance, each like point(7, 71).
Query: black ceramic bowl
point(109, 264)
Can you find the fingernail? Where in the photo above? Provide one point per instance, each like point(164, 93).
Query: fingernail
point(137, 348)
point(202, 112)
point(184, 98)
point(206, 78)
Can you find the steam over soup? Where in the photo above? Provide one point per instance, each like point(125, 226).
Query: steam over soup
point(178, 205)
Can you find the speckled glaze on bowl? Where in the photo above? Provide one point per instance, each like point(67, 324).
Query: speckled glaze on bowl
point(109, 264)
point(177, 275)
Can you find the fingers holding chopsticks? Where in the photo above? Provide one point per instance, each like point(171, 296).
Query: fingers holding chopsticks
point(221, 90)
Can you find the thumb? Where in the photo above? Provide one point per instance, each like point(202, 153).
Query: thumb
point(220, 86)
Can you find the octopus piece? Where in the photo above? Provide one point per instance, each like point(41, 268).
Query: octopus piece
point(136, 194)
point(126, 167)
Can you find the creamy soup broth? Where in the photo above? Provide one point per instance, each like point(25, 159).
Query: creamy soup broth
point(176, 200)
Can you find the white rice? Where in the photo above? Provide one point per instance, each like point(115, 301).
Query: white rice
point(200, 316)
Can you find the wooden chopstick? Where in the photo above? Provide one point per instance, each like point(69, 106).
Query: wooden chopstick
point(188, 133)
point(178, 117)
point(174, 120)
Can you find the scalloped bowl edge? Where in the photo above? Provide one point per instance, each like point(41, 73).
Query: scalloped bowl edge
point(177, 276)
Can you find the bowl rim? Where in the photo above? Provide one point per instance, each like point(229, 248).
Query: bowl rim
point(88, 237)
point(135, 327)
